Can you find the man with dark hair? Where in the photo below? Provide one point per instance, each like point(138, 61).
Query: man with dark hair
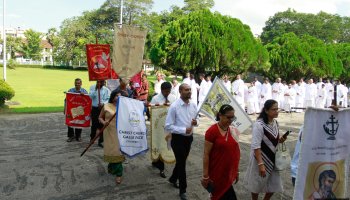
point(179, 122)
point(166, 98)
point(325, 183)
point(75, 131)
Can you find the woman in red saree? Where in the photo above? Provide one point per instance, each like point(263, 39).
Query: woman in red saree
point(221, 156)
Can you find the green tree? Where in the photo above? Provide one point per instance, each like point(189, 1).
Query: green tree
point(32, 46)
point(292, 57)
point(193, 5)
point(204, 41)
point(54, 40)
point(323, 26)
point(343, 53)
point(13, 45)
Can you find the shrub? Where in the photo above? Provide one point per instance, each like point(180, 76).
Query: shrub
point(12, 64)
point(6, 92)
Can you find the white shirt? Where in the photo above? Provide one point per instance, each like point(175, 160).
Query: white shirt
point(175, 91)
point(203, 90)
point(179, 117)
point(160, 99)
point(187, 81)
point(227, 84)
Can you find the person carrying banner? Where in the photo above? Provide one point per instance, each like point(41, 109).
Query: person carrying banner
point(261, 175)
point(163, 98)
point(75, 132)
point(221, 156)
point(180, 120)
point(111, 147)
point(99, 95)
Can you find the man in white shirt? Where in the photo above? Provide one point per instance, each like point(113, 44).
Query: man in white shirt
point(157, 84)
point(165, 97)
point(179, 122)
point(238, 90)
point(300, 96)
point(175, 88)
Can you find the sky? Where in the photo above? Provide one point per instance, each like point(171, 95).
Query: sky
point(40, 15)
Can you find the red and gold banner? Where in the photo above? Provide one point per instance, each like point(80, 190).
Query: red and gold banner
point(78, 109)
point(99, 61)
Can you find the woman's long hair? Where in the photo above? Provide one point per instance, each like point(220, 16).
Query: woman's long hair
point(267, 105)
point(113, 94)
point(223, 110)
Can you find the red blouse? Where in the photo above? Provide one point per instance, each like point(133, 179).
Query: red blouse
point(223, 160)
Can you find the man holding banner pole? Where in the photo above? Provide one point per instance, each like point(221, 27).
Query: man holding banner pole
point(164, 98)
point(180, 120)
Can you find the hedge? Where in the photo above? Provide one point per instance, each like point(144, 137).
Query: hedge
point(50, 67)
point(6, 92)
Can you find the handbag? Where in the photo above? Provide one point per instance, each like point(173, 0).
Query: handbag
point(282, 157)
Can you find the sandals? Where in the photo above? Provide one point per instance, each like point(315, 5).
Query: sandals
point(118, 180)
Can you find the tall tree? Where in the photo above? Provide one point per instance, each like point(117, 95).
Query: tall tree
point(54, 40)
point(204, 41)
point(193, 5)
point(323, 26)
point(32, 46)
point(13, 45)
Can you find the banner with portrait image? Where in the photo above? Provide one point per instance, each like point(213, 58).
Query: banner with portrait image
point(128, 50)
point(131, 126)
point(159, 145)
point(218, 96)
point(77, 110)
point(324, 155)
point(99, 61)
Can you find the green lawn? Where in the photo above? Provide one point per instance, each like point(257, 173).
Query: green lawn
point(41, 90)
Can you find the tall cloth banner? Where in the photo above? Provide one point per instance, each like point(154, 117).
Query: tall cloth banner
point(159, 145)
point(131, 126)
point(218, 96)
point(99, 61)
point(78, 109)
point(324, 155)
point(128, 50)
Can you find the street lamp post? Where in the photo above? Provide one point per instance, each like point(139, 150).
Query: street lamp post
point(4, 38)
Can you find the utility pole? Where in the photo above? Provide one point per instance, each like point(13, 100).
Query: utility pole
point(4, 38)
point(121, 13)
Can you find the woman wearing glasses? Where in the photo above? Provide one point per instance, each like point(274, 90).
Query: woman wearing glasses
point(221, 156)
point(261, 176)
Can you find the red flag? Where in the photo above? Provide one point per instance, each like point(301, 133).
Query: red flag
point(99, 61)
point(78, 109)
point(114, 75)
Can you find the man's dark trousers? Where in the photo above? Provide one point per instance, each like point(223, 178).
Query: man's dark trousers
point(95, 112)
point(181, 146)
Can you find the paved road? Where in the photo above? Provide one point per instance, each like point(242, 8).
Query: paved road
point(36, 162)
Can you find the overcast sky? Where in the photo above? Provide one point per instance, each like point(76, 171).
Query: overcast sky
point(40, 15)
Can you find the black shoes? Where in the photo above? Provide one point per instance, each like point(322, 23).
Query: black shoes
point(100, 145)
point(175, 185)
point(162, 174)
point(70, 139)
point(183, 196)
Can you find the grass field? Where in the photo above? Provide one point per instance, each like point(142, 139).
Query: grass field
point(41, 90)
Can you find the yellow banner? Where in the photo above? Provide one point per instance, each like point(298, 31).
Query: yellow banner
point(159, 146)
point(128, 50)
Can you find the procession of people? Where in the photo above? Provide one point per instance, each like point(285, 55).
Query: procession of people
point(221, 144)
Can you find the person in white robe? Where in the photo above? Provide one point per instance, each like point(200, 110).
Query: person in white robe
point(238, 90)
point(209, 83)
point(265, 92)
point(340, 94)
point(187, 79)
point(277, 89)
point(251, 99)
point(175, 89)
point(310, 93)
point(203, 90)
point(257, 85)
point(321, 96)
point(194, 90)
point(319, 83)
point(227, 83)
point(289, 98)
point(299, 98)
point(330, 93)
